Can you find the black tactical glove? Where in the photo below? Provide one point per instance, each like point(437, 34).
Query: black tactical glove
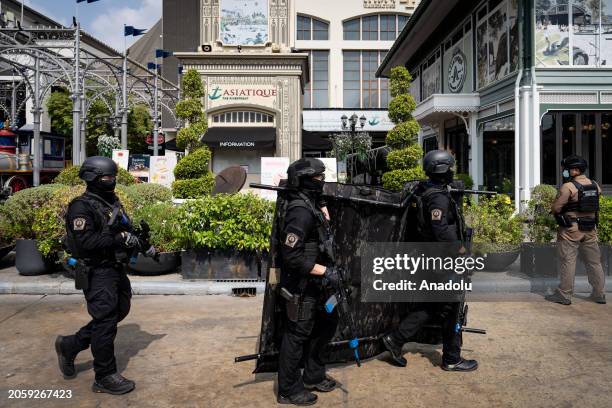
point(331, 278)
point(151, 252)
point(128, 240)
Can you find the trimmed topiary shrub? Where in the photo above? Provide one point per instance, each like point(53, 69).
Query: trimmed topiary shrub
point(70, 177)
point(191, 110)
point(403, 160)
point(194, 165)
point(21, 208)
point(193, 188)
point(144, 194)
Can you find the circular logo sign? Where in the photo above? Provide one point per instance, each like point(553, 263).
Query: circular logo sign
point(457, 72)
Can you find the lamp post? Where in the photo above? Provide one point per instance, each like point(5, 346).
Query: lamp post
point(349, 127)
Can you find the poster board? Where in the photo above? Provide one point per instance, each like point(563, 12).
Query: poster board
point(121, 157)
point(244, 22)
point(331, 169)
point(161, 170)
point(139, 166)
point(273, 170)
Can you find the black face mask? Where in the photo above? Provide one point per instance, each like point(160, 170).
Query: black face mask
point(103, 186)
point(311, 184)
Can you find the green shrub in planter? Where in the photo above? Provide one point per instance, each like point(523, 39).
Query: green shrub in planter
point(49, 221)
point(194, 165)
point(162, 218)
point(21, 207)
point(144, 194)
point(407, 158)
point(605, 220)
point(542, 226)
point(396, 179)
point(401, 108)
point(404, 134)
point(496, 228)
point(6, 229)
point(193, 188)
point(235, 221)
point(70, 177)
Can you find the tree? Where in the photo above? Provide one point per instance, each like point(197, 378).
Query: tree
point(59, 106)
point(404, 158)
point(139, 126)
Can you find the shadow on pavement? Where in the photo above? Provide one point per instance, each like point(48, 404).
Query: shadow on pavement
point(130, 341)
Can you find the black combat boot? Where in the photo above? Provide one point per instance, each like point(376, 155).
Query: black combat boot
point(114, 384)
point(65, 358)
point(302, 398)
point(463, 365)
point(327, 385)
point(600, 299)
point(395, 350)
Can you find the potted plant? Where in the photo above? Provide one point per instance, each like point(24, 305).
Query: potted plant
point(20, 210)
point(6, 235)
point(162, 219)
point(498, 233)
point(224, 236)
point(605, 232)
point(538, 257)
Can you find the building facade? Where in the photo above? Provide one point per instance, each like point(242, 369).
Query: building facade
point(512, 86)
point(280, 74)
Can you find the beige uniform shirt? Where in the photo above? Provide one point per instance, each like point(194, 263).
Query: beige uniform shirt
point(568, 192)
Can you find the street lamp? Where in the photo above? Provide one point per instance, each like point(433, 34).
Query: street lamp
point(349, 126)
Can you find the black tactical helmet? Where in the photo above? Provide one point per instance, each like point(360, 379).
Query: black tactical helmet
point(574, 162)
point(305, 167)
point(438, 162)
point(97, 166)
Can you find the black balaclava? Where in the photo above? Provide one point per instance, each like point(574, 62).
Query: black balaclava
point(104, 189)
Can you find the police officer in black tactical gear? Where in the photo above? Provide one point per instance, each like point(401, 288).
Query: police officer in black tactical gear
point(304, 275)
point(442, 222)
point(95, 245)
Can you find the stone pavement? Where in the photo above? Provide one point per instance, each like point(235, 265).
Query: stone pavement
point(180, 351)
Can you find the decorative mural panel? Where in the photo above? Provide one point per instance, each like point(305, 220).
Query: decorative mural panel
point(244, 22)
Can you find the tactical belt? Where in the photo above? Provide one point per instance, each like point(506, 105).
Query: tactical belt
point(585, 224)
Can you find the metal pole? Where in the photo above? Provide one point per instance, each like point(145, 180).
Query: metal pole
point(36, 110)
point(14, 104)
point(83, 131)
point(124, 111)
point(76, 105)
point(116, 126)
point(155, 113)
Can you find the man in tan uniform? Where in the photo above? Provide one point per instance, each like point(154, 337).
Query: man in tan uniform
point(576, 210)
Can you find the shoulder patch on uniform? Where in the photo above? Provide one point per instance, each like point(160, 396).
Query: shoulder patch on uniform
point(436, 214)
point(78, 224)
point(291, 240)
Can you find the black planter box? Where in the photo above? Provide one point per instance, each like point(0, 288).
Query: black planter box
point(539, 260)
point(218, 264)
point(168, 262)
point(29, 261)
point(499, 261)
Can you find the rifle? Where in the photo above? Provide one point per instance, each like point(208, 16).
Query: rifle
point(119, 222)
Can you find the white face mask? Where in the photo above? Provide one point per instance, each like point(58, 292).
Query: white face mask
point(566, 174)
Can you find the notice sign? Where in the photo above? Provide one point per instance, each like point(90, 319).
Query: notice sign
point(139, 166)
point(121, 157)
point(222, 94)
point(273, 170)
point(162, 170)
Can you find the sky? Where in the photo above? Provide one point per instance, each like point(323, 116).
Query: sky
point(103, 19)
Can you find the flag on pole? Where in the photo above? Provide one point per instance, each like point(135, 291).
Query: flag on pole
point(151, 65)
point(131, 30)
point(162, 54)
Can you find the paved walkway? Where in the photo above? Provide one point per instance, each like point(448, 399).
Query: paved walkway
point(180, 351)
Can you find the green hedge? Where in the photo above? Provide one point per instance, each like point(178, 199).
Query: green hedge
point(193, 188)
point(162, 218)
point(542, 226)
point(21, 207)
point(70, 177)
point(605, 220)
point(144, 194)
point(194, 165)
point(226, 221)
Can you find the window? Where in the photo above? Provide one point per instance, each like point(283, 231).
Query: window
point(361, 88)
point(351, 29)
point(242, 117)
point(316, 92)
point(385, 27)
point(352, 79)
point(309, 28)
point(369, 28)
point(303, 28)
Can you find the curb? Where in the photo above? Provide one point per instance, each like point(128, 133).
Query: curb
point(138, 288)
point(202, 288)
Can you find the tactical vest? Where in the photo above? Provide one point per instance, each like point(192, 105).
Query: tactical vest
point(424, 229)
point(588, 199)
point(102, 211)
